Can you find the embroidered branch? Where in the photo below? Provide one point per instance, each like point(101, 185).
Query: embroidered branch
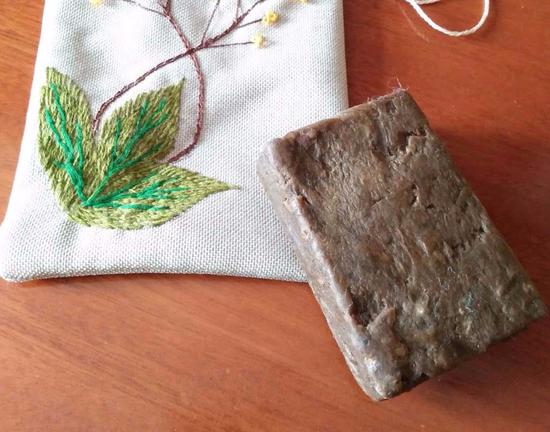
point(207, 42)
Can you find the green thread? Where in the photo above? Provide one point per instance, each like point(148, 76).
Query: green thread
point(63, 140)
point(119, 182)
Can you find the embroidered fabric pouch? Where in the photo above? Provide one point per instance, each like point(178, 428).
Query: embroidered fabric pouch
point(144, 124)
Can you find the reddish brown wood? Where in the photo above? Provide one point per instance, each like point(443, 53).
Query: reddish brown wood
point(198, 353)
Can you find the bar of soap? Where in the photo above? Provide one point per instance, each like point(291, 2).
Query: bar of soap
point(409, 271)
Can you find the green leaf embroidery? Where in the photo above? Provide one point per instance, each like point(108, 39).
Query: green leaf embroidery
point(119, 183)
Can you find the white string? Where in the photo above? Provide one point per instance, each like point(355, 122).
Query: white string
point(417, 6)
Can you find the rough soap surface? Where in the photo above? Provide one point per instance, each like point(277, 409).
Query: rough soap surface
point(411, 274)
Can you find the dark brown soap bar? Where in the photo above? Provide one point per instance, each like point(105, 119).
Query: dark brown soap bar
point(409, 271)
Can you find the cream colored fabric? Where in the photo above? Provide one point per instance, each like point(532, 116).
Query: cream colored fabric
point(252, 96)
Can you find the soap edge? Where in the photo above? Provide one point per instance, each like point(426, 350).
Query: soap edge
point(351, 345)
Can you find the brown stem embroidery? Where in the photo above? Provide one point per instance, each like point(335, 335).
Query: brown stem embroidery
point(200, 77)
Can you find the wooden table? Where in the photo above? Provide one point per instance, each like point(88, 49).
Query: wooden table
point(198, 353)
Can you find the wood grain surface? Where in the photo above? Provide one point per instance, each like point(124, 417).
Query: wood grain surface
point(198, 353)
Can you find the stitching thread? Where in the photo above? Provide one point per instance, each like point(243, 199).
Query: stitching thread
point(417, 6)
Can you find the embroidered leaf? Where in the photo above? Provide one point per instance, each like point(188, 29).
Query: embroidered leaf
point(147, 199)
point(121, 183)
point(141, 130)
point(65, 137)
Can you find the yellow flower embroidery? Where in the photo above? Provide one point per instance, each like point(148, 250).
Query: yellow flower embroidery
point(259, 40)
point(270, 18)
